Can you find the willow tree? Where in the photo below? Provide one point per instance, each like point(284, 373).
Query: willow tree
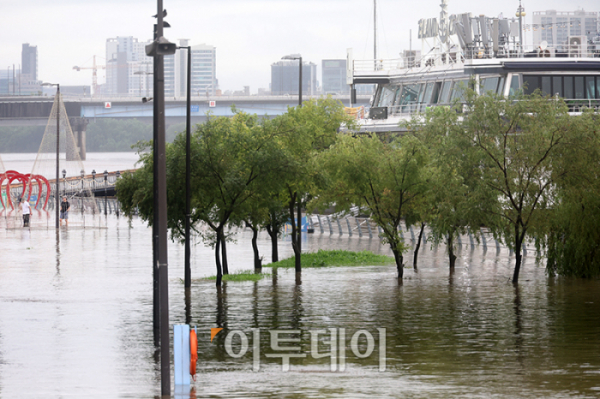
point(233, 161)
point(305, 132)
point(455, 201)
point(573, 242)
point(515, 143)
point(385, 178)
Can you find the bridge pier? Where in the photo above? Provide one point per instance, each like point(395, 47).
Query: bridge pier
point(79, 127)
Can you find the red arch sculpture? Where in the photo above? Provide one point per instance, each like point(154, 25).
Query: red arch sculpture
point(27, 181)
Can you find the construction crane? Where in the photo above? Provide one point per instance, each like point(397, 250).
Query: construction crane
point(94, 69)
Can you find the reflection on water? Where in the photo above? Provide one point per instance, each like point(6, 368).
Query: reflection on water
point(76, 316)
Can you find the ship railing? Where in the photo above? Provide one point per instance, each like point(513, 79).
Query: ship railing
point(574, 106)
point(377, 65)
point(586, 50)
point(580, 105)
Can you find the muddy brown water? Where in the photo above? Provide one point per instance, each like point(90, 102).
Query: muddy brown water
point(76, 321)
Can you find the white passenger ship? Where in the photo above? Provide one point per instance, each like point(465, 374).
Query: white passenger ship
point(461, 47)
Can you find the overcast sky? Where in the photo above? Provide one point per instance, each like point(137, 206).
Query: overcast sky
point(249, 34)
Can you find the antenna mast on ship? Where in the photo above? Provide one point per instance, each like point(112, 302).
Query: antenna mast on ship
point(375, 29)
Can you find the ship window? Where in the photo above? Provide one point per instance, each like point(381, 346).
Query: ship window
point(435, 92)
point(557, 86)
point(458, 89)
point(530, 83)
point(387, 96)
point(501, 85)
point(398, 95)
point(597, 86)
point(514, 85)
point(410, 94)
point(421, 92)
point(590, 87)
point(546, 85)
point(428, 89)
point(568, 87)
point(445, 94)
point(489, 84)
point(579, 87)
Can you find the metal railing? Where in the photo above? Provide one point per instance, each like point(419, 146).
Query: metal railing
point(563, 51)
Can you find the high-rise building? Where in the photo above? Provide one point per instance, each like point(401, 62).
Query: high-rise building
point(204, 71)
point(26, 80)
point(285, 79)
point(333, 77)
point(29, 61)
point(128, 67)
point(555, 27)
point(129, 70)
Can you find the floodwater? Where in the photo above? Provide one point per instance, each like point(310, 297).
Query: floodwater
point(76, 321)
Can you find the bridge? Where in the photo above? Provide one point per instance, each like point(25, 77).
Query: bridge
point(35, 111)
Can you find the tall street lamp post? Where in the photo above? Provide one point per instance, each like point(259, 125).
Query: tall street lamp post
point(56, 194)
point(299, 211)
point(187, 268)
point(82, 173)
point(116, 202)
point(158, 49)
point(105, 190)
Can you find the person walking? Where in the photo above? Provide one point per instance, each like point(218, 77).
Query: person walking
point(64, 211)
point(26, 211)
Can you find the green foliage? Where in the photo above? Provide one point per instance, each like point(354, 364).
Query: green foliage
point(305, 132)
point(385, 178)
point(500, 162)
point(574, 239)
point(329, 258)
point(242, 275)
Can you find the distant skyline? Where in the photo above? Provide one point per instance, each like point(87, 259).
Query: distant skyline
point(249, 35)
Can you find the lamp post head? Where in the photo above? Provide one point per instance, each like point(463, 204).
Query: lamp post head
point(105, 174)
point(64, 172)
point(82, 173)
point(93, 173)
point(118, 174)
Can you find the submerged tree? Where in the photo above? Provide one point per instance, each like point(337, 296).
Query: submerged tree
point(233, 159)
point(454, 202)
point(305, 132)
point(515, 144)
point(573, 242)
point(386, 178)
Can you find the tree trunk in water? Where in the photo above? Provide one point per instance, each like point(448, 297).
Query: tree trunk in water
point(295, 237)
point(418, 246)
point(518, 243)
point(218, 260)
point(224, 253)
point(298, 262)
point(273, 230)
point(451, 256)
point(257, 260)
point(399, 259)
point(274, 251)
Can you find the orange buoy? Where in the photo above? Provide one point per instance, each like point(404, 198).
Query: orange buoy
point(193, 353)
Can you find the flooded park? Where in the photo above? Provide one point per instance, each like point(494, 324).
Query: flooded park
point(76, 320)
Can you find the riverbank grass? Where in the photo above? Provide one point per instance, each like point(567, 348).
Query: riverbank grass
point(324, 258)
point(241, 275)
